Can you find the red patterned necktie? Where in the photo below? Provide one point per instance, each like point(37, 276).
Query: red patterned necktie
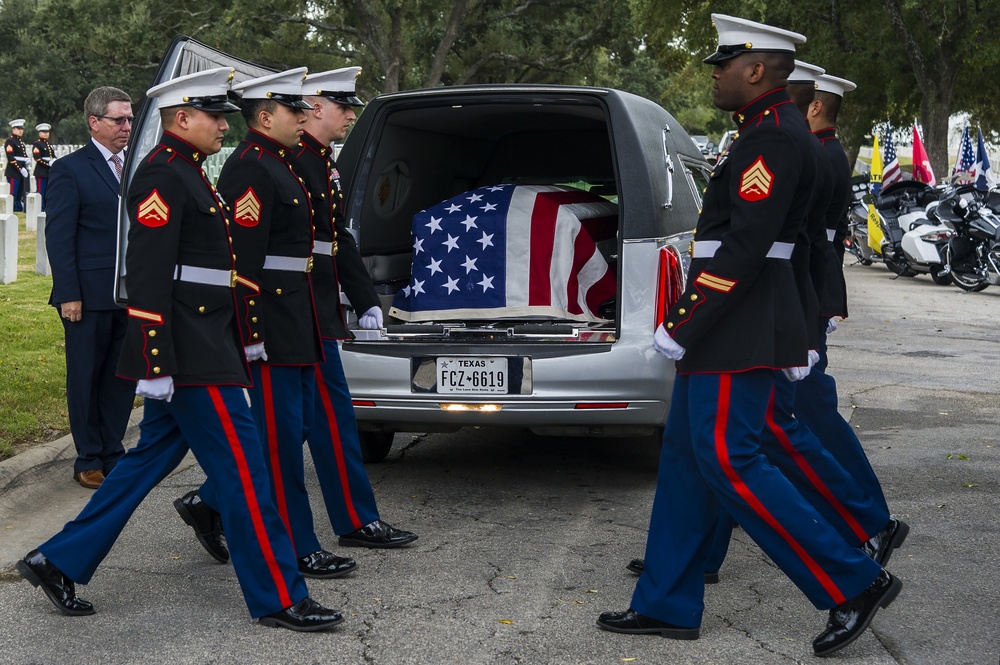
point(117, 161)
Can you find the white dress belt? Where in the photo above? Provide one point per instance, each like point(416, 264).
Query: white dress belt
point(706, 249)
point(322, 248)
point(207, 276)
point(288, 263)
point(830, 234)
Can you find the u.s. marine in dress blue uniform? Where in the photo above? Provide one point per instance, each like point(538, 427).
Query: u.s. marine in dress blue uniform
point(43, 154)
point(740, 319)
point(800, 453)
point(333, 438)
point(816, 404)
point(17, 164)
point(273, 242)
point(184, 347)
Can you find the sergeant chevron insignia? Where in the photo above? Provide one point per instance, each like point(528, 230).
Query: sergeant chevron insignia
point(247, 209)
point(153, 211)
point(756, 181)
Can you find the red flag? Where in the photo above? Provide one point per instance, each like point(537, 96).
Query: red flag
point(922, 171)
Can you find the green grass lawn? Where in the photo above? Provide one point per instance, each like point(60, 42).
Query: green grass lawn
point(32, 357)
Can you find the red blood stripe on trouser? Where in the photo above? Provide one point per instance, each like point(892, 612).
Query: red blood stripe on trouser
point(722, 453)
point(338, 447)
point(277, 483)
point(810, 473)
point(251, 496)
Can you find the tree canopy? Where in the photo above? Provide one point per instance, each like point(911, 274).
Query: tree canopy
point(924, 59)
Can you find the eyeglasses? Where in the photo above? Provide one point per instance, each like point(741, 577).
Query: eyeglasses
point(119, 120)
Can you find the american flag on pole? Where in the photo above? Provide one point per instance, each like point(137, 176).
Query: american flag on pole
point(966, 158)
point(510, 251)
point(890, 171)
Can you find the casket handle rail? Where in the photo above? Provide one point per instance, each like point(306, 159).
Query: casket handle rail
point(669, 163)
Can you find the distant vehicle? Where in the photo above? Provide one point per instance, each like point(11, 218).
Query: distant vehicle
point(703, 144)
point(726, 141)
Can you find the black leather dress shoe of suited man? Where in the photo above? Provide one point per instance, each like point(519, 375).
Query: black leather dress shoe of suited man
point(304, 616)
point(633, 623)
point(880, 546)
point(60, 589)
point(325, 565)
point(378, 535)
point(849, 619)
point(206, 523)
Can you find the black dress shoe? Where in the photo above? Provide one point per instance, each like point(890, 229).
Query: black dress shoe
point(304, 616)
point(378, 534)
point(638, 565)
point(325, 565)
point(60, 589)
point(880, 546)
point(634, 623)
point(206, 523)
point(849, 619)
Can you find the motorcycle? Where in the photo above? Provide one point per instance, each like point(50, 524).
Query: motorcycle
point(913, 237)
point(856, 241)
point(972, 256)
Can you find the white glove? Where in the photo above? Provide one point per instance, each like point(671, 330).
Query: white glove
point(372, 319)
point(795, 373)
point(831, 325)
point(813, 358)
point(23, 160)
point(24, 172)
point(666, 345)
point(255, 352)
point(161, 388)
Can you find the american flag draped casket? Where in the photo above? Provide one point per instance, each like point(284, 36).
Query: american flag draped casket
point(510, 252)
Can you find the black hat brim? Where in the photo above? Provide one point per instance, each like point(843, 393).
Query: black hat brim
point(719, 56)
point(217, 107)
point(346, 100)
point(294, 103)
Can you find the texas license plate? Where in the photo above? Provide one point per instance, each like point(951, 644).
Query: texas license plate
point(472, 375)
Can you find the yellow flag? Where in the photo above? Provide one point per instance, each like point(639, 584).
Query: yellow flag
point(875, 236)
point(875, 179)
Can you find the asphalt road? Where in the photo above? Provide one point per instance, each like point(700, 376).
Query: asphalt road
point(523, 539)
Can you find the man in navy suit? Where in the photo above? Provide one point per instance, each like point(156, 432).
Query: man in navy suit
point(81, 203)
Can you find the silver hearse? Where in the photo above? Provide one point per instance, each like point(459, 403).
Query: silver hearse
point(551, 371)
point(552, 374)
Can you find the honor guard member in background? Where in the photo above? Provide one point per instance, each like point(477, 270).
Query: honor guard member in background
point(738, 320)
point(816, 396)
point(43, 155)
point(273, 244)
point(333, 438)
point(17, 163)
point(185, 349)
